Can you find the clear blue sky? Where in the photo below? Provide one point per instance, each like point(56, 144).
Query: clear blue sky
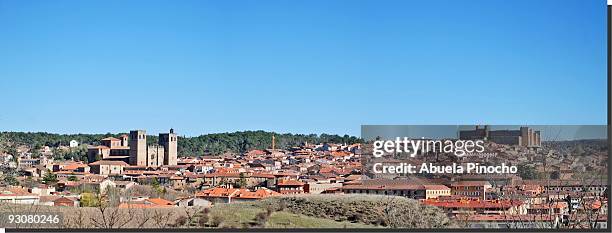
point(298, 66)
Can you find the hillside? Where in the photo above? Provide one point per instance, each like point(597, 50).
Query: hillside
point(314, 211)
point(218, 143)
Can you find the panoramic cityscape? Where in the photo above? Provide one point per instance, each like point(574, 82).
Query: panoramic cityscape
point(318, 115)
point(274, 179)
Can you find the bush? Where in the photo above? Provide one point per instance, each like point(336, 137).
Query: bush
point(261, 219)
point(203, 220)
point(89, 200)
point(388, 211)
point(180, 221)
point(216, 221)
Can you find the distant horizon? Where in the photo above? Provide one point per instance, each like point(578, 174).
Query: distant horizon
point(178, 133)
point(547, 132)
point(569, 133)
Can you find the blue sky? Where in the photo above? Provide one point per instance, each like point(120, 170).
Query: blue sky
point(298, 66)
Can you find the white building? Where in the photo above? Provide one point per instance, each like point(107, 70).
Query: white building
point(74, 143)
point(17, 196)
point(191, 201)
point(43, 190)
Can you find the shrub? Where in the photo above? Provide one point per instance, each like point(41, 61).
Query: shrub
point(203, 220)
point(216, 221)
point(260, 219)
point(389, 211)
point(180, 221)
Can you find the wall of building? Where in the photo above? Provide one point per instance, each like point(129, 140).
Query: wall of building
point(317, 187)
point(170, 143)
point(138, 148)
point(155, 156)
point(437, 193)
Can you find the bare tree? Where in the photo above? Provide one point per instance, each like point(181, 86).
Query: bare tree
point(142, 218)
point(110, 217)
point(190, 214)
point(160, 218)
point(78, 221)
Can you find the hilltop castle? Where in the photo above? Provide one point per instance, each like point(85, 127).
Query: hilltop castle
point(133, 149)
point(524, 136)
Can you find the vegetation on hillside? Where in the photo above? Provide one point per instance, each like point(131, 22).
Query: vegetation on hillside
point(218, 143)
point(378, 210)
point(239, 142)
point(318, 211)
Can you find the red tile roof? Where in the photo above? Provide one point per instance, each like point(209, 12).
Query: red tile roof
point(148, 203)
point(505, 218)
point(109, 162)
point(159, 201)
point(216, 192)
point(14, 192)
point(73, 166)
point(289, 183)
point(473, 203)
point(237, 193)
point(470, 183)
point(110, 139)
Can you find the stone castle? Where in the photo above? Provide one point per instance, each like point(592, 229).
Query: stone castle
point(133, 149)
point(524, 136)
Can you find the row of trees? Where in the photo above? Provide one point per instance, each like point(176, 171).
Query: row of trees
point(40, 139)
point(240, 142)
point(237, 142)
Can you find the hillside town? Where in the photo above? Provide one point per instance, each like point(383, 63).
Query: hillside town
point(559, 184)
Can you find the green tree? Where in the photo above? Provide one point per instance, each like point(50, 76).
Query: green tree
point(236, 142)
point(89, 200)
point(528, 172)
point(73, 178)
point(555, 175)
point(50, 178)
point(12, 151)
point(29, 182)
point(36, 154)
point(157, 187)
point(10, 180)
point(242, 182)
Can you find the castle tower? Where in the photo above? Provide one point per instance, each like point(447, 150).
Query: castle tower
point(170, 144)
point(531, 138)
point(138, 148)
point(524, 136)
point(124, 140)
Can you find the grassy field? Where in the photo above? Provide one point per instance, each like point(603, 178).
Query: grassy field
point(242, 214)
point(288, 220)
